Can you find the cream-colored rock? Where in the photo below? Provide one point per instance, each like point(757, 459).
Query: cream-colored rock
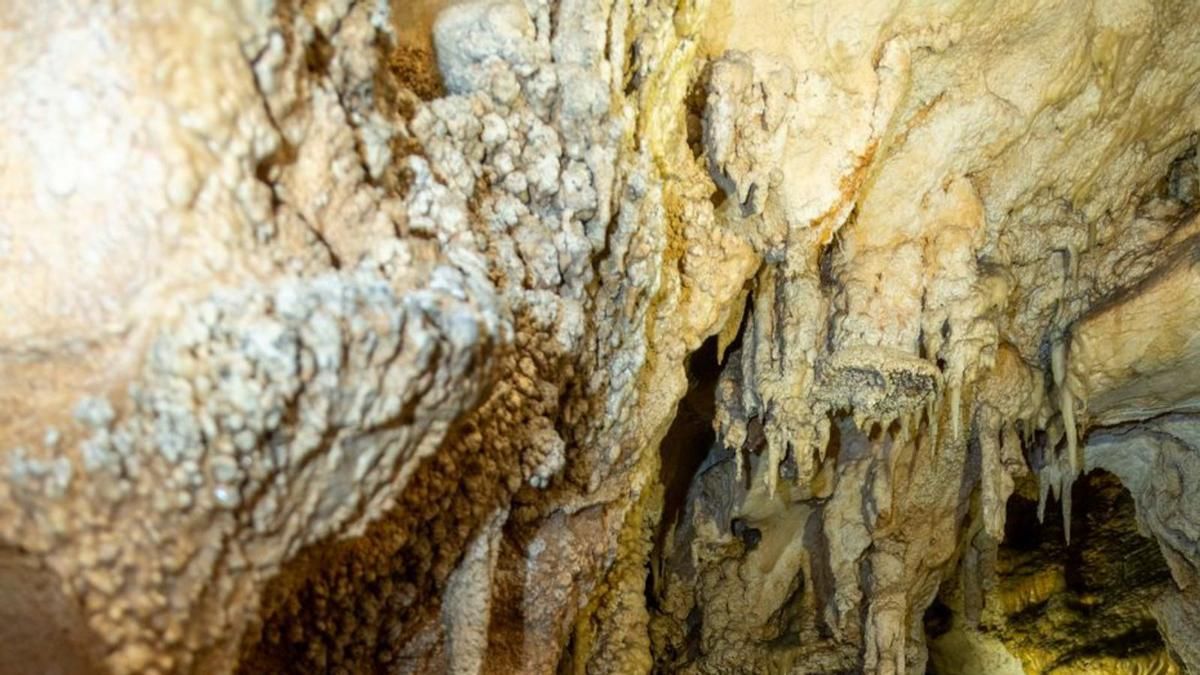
point(1135, 356)
point(343, 336)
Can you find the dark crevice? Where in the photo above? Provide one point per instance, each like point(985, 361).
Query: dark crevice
point(633, 79)
point(690, 437)
point(695, 102)
point(1182, 182)
point(318, 54)
point(938, 619)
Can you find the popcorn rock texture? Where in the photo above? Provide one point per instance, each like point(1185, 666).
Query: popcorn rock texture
point(531, 336)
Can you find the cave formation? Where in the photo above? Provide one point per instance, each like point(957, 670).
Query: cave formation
point(600, 336)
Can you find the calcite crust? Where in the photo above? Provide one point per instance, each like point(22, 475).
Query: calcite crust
point(530, 336)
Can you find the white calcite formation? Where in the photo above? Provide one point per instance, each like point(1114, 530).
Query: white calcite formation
point(344, 336)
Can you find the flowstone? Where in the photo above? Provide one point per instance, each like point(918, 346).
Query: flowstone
point(352, 335)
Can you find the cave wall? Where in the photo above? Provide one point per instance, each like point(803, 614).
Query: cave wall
point(347, 336)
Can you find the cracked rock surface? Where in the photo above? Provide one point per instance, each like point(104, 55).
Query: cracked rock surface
point(599, 336)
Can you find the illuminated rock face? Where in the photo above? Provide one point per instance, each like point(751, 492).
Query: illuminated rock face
point(1083, 608)
point(367, 337)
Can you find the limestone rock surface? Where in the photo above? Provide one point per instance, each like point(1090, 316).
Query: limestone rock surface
point(591, 336)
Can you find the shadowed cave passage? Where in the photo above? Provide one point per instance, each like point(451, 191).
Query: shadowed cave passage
point(691, 435)
point(683, 451)
point(1083, 607)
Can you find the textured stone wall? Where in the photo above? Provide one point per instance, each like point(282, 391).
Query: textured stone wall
point(357, 336)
